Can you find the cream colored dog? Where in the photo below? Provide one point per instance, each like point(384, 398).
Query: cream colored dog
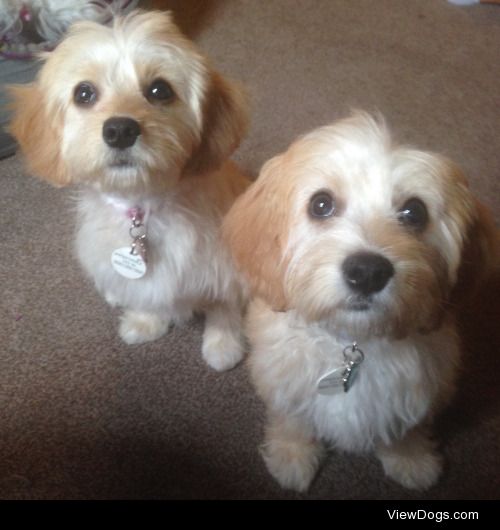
point(352, 247)
point(137, 117)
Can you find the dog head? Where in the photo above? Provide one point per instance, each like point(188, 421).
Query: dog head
point(346, 228)
point(132, 106)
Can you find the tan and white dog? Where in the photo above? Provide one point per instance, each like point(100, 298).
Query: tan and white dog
point(137, 118)
point(352, 247)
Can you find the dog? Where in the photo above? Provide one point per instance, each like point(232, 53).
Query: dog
point(352, 248)
point(137, 118)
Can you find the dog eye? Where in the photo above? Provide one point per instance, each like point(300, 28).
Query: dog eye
point(413, 214)
point(321, 205)
point(85, 94)
point(159, 90)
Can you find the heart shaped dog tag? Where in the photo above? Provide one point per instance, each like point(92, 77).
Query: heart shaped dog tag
point(332, 382)
point(343, 377)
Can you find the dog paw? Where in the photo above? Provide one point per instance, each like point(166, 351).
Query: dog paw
point(137, 327)
point(111, 299)
point(292, 464)
point(417, 470)
point(221, 349)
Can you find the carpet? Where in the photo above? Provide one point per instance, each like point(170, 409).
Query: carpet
point(84, 416)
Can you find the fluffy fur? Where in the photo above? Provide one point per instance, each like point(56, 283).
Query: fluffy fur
point(306, 311)
point(176, 170)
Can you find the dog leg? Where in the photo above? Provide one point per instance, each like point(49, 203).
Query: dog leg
point(222, 346)
point(137, 327)
point(412, 461)
point(291, 452)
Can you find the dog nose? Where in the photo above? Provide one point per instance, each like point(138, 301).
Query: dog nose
point(367, 272)
point(120, 133)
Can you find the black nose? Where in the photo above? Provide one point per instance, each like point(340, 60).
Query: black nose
point(366, 272)
point(120, 133)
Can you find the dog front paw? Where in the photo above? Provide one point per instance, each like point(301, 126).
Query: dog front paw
point(414, 462)
point(137, 327)
point(222, 346)
point(221, 350)
point(292, 464)
point(414, 473)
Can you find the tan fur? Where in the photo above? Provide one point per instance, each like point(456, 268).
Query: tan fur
point(38, 133)
point(307, 311)
point(256, 230)
point(480, 256)
point(175, 171)
point(41, 114)
point(223, 125)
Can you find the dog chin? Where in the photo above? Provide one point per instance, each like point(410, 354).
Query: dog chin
point(124, 171)
point(358, 304)
point(123, 175)
point(130, 176)
point(364, 318)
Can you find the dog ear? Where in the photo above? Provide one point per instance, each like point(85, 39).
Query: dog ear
point(480, 255)
point(38, 134)
point(224, 123)
point(256, 231)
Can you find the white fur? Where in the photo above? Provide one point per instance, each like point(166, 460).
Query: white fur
point(175, 170)
point(399, 386)
point(187, 269)
point(298, 330)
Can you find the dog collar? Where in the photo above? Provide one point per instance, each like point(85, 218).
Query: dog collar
point(130, 262)
point(129, 208)
point(343, 377)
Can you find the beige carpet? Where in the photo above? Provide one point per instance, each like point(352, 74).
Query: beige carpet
point(83, 416)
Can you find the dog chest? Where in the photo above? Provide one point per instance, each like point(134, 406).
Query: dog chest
point(396, 387)
point(178, 262)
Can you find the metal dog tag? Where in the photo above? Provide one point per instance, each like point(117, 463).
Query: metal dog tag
point(342, 378)
point(129, 265)
point(332, 382)
point(350, 374)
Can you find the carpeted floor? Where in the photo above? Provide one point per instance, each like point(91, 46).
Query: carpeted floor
point(83, 416)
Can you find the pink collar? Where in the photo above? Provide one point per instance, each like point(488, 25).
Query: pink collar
point(130, 209)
